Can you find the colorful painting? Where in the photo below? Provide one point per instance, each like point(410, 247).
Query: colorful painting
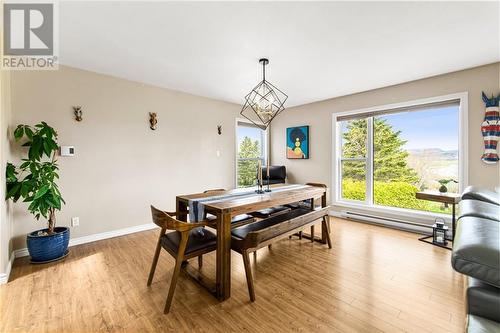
point(297, 142)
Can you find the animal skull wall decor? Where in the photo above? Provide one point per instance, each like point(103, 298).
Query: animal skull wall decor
point(77, 110)
point(153, 121)
point(490, 129)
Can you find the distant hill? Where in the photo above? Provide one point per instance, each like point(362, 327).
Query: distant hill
point(433, 164)
point(434, 153)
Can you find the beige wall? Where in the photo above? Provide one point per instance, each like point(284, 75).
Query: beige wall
point(121, 166)
point(319, 117)
point(5, 207)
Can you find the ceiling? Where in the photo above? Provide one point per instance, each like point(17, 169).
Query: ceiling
point(316, 50)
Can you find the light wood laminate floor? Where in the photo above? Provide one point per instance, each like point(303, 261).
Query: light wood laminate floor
point(374, 279)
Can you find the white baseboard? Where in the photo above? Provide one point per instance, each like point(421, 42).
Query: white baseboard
point(96, 237)
point(4, 277)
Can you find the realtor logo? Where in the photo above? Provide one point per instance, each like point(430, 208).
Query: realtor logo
point(28, 36)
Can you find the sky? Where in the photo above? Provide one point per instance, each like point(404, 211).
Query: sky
point(252, 132)
point(436, 128)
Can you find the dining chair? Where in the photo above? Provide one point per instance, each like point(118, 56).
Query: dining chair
point(182, 244)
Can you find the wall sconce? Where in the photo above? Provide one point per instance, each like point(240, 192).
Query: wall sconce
point(219, 129)
point(77, 110)
point(153, 121)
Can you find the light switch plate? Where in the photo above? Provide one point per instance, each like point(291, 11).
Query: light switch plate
point(75, 221)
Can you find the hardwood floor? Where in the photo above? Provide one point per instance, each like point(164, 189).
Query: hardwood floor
point(373, 280)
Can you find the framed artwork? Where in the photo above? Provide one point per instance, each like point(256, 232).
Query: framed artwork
point(297, 142)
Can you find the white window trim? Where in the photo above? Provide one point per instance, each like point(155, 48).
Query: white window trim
point(266, 146)
point(463, 156)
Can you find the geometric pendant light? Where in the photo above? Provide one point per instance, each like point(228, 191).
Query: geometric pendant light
point(264, 102)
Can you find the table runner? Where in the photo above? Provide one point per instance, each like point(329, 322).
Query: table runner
point(197, 206)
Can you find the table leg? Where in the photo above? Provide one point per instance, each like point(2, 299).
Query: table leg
point(181, 209)
point(223, 284)
point(324, 236)
point(453, 222)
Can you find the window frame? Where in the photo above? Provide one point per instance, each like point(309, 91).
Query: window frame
point(265, 147)
point(368, 204)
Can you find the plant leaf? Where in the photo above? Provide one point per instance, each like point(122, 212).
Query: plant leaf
point(41, 191)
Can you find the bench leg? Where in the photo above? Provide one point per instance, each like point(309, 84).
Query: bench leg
point(200, 261)
point(248, 273)
point(312, 234)
point(326, 231)
point(269, 246)
point(300, 234)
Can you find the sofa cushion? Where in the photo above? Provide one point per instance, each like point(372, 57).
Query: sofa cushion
point(478, 324)
point(476, 193)
point(483, 300)
point(479, 209)
point(476, 249)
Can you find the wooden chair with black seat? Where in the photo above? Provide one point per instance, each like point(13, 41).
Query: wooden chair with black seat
point(181, 244)
point(236, 221)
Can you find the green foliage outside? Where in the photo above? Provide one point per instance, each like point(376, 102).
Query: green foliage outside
point(247, 169)
point(34, 180)
point(393, 194)
point(394, 181)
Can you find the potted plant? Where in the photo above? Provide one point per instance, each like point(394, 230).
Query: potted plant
point(34, 181)
point(444, 183)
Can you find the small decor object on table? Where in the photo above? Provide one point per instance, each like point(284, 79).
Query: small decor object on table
point(444, 183)
point(446, 198)
point(259, 178)
point(297, 142)
point(35, 182)
point(490, 128)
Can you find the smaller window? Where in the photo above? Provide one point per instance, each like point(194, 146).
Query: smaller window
point(251, 147)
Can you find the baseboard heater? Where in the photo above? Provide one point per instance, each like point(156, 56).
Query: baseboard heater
point(386, 221)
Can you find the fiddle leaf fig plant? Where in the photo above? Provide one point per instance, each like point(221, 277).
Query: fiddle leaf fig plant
point(34, 180)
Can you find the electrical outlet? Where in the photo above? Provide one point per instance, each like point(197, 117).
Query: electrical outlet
point(75, 221)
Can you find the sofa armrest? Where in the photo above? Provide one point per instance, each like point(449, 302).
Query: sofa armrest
point(476, 193)
point(476, 249)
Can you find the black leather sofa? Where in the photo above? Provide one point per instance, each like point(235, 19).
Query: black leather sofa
point(476, 253)
point(277, 174)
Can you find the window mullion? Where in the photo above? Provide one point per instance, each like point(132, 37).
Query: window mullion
point(369, 161)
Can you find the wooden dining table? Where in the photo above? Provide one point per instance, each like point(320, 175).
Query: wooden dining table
point(227, 208)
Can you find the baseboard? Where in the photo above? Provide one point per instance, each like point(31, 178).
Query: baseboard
point(335, 213)
point(4, 277)
point(96, 237)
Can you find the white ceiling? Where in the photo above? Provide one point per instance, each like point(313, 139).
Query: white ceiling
point(316, 50)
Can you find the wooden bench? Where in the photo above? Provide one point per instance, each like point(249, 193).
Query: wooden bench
point(251, 237)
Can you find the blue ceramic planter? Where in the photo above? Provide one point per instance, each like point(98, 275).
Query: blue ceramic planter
point(50, 247)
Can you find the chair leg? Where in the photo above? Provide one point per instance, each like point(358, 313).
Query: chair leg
point(155, 259)
point(300, 234)
point(248, 273)
point(177, 270)
point(327, 231)
point(312, 234)
point(200, 261)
